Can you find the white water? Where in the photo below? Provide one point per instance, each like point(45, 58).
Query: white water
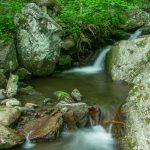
point(28, 144)
point(136, 34)
point(95, 138)
point(100, 61)
point(110, 128)
point(96, 67)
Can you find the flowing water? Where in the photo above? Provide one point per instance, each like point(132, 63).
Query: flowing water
point(98, 88)
point(96, 67)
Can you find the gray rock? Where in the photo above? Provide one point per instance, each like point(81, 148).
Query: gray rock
point(127, 58)
point(8, 57)
point(12, 87)
point(38, 38)
point(31, 105)
point(11, 102)
point(8, 115)
point(63, 96)
point(76, 95)
point(68, 43)
point(80, 112)
point(9, 138)
point(2, 94)
point(128, 62)
point(47, 101)
point(28, 90)
point(138, 118)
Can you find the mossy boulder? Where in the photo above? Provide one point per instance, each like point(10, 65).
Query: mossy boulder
point(127, 58)
point(38, 40)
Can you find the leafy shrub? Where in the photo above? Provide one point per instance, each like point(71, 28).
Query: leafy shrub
point(8, 8)
point(102, 13)
point(65, 60)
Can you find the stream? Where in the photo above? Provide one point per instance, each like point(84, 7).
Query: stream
point(98, 88)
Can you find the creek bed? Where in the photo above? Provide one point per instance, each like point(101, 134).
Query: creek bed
point(98, 89)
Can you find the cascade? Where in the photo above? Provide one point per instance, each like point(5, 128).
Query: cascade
point(28, 144)
point(99, 63)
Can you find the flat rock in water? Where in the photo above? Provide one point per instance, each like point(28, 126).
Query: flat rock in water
point(45, 128)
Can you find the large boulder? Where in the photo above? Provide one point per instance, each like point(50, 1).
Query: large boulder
point(8, 115)
point(38, 40)
point(127, 59)
point(137, 123)
point(8, 57)
point(44, 128)
point(9, 138)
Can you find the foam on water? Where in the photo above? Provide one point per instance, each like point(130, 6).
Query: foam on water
point(100, 61)
point(95, 138)
point(96, 67)
point(136, 34)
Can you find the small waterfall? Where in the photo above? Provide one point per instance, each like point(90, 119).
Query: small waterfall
point(100, 61)
point(95, 138)
point(110, 128)
point(28, 144)
point(136, 34)
point(96, 67)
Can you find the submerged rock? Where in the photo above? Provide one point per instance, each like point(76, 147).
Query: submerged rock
point(38, 40)
point(8, 116)
point(9, 138)
point(12, 86)
point(29, 90)
point(23, 73)
point(45, 128)
point(127, 58)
